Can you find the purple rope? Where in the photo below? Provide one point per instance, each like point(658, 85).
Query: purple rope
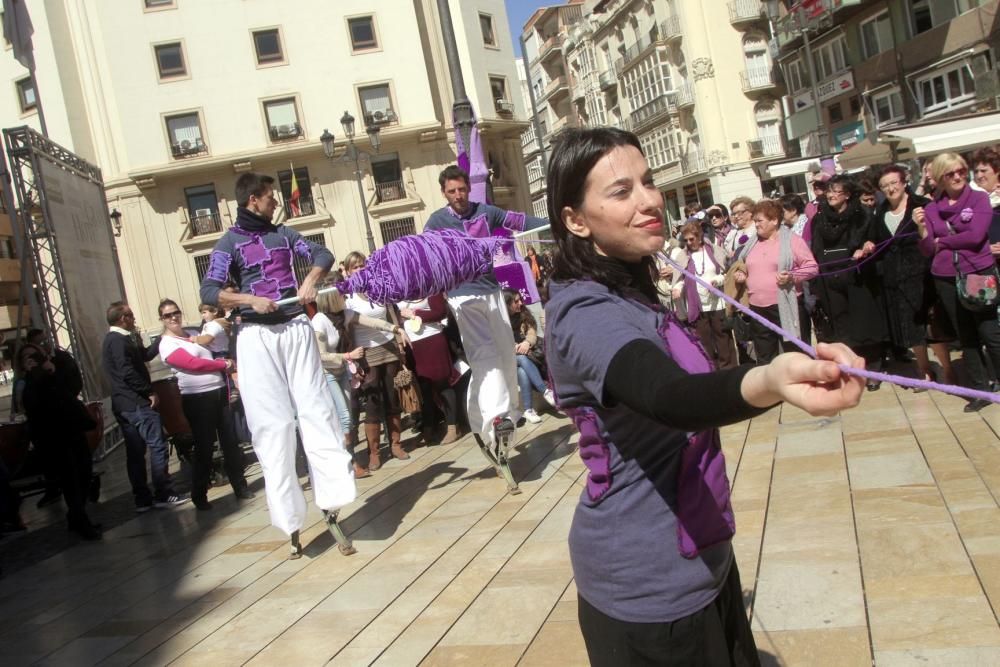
point(900, 380)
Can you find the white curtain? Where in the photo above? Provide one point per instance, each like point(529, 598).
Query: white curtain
point(281, 112)
point(183, 128)
point(375, 99)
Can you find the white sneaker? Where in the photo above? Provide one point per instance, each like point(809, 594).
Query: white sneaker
point(550, 398)
point(532, 416)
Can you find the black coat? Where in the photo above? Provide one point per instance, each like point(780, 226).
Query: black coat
point(906, 286)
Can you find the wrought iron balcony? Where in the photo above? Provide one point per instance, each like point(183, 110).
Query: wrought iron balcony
point(188, 147)
point(286, 131)
point(390, 191)
point(670, 29)
point(764, 147)
point(745, 11)
point(205, 223)
point(685, 95)
point(757, 78)
point(608, 79)
point(694, 162)
point(651, 111)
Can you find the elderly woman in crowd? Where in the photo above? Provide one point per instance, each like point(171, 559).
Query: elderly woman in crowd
point(719, 226)
point(201, 379)
point(743, 232)
point(986, 171)
point(382, 361)
point(777, 264)
point(849, 295)
point(906, 285)
point(793, 213)
point(695, 304)
point(954, 232)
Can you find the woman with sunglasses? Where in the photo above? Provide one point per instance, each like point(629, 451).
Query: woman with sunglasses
point(58, 422)
point(651, 539)
point(201, 380)
point(954, 232)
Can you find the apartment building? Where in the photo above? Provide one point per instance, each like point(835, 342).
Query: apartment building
point(10, 275)
point(693, 79)
point(173, 99)
point(855, 67)
point(532, 149)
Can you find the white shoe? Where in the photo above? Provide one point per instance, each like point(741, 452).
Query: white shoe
point(550, 398)
point(532, 416)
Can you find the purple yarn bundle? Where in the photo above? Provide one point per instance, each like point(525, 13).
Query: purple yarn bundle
point(416, 267)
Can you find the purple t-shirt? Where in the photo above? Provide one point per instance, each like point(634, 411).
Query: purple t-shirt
point(624, 545)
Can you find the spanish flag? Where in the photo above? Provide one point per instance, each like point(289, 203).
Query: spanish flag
point(293, 198)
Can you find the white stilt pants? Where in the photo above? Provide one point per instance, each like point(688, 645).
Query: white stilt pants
point(489, 348)
point(280, 377)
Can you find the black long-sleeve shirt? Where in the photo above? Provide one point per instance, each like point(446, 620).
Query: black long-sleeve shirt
point(124, 361)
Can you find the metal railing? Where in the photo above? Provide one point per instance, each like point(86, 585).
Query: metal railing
point(548, 46)
point(694, 162)
point(609, 78)
point(390, 191)
point(554, 85)
point(306, 207)
point(670, 28)
point(205, 224)
point(528, 137)
point(764, 146)
point(634, 51)
point(647, 113)
point(757, 78)
point(743, 11)
point(685, 95)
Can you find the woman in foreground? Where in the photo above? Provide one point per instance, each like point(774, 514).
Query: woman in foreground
point(651, 538)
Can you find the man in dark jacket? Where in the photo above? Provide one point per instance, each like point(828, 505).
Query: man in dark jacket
point(133, 403)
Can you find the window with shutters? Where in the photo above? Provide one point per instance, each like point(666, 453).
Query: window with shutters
point(302, 265)
point(398, 228)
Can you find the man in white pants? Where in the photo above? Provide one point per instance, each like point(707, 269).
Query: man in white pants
point(481, 313)
point(281, 377)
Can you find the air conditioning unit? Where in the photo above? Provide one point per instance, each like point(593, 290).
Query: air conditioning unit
point(503, 106)
point(287, 130)
point(755, 147)
point(203, 213)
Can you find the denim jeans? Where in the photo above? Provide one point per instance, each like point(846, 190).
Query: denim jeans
point(143, 429)
point(528, 377)
point(340, 390)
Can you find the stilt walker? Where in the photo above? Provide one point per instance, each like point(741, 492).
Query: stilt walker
point(281, 376)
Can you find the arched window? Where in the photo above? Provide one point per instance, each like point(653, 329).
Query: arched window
point(767, 115)
point(758, 60)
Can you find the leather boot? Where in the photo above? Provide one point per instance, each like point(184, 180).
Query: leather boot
point(372, 432)
point(451, 435)
point(395, 429)
point(359, 471)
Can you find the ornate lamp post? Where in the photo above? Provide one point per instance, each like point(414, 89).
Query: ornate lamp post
point(353, 154)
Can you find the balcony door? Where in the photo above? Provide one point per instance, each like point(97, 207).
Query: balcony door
point(203, 209)
point(388, 177)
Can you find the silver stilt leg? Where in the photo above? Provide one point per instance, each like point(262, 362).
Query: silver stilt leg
point(296, 547)
point(496, 454)
point(343, 541)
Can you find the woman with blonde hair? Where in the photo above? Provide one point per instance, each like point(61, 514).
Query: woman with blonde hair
point(331, 324)
point(382, 361)
point(954, 232)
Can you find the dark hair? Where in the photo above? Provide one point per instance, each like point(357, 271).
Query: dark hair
point(34, 333)
point(690, 210)
point(253, 184)
point(208, 306)
point(846, 183)
point(166, 302)
point(18, 365)
point(866, 187)
point(722, 208)
point(451, 173)
point(894, 169)
point(524, 318)
point(793, 202)
point(574, 155)
point(987, 156)
point(115, 312)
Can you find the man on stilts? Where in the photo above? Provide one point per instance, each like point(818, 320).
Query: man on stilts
point(483, 322)
point(281, 377)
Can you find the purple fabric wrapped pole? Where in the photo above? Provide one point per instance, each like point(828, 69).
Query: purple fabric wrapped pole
point(416, 267)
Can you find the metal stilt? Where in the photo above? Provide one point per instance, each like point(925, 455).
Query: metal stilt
point(343, 541)
point(296, 547)
point(497, 456)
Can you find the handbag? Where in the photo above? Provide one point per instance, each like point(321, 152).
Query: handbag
point(405, 381)
point(977, 292)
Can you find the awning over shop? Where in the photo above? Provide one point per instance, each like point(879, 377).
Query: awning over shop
point(792, 167)
point(923, 139)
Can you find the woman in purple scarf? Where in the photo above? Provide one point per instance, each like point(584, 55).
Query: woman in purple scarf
point(651, 540)
point(954, 233)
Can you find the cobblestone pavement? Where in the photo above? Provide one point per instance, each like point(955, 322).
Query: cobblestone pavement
point(874, 536)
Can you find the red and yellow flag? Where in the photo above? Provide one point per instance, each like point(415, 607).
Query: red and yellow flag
point(293, 198)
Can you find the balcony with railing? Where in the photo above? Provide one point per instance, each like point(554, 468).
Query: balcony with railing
point(745, 11)
point(609, 78)
point(205, 223)
point(381, 117)
point(757, 79)
point(504, 108)
point(685, 96)
point(387, 191)
point(633, 52)
point(549, 47)
point(555, 88)
point(304, 207)
point(694, 162)
point(764, 147)
point(528, 137)
point(650, 112)
point(188, 148)
point(670, 29)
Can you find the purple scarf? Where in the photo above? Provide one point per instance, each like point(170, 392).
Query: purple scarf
point(721, 233)
point(951, 214)
point(691, 288)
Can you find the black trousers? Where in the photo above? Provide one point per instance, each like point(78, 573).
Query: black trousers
point(975, 330)
point(211, 417)
point(718, 635)
point(68, 459)
point(768, 344)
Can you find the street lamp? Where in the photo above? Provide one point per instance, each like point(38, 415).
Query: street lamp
point(353, 154)
point(773, 10)
point(116, 222)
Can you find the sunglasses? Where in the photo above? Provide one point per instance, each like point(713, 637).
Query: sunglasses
point(715, 214)
point(171, 314)
point(961, 172)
